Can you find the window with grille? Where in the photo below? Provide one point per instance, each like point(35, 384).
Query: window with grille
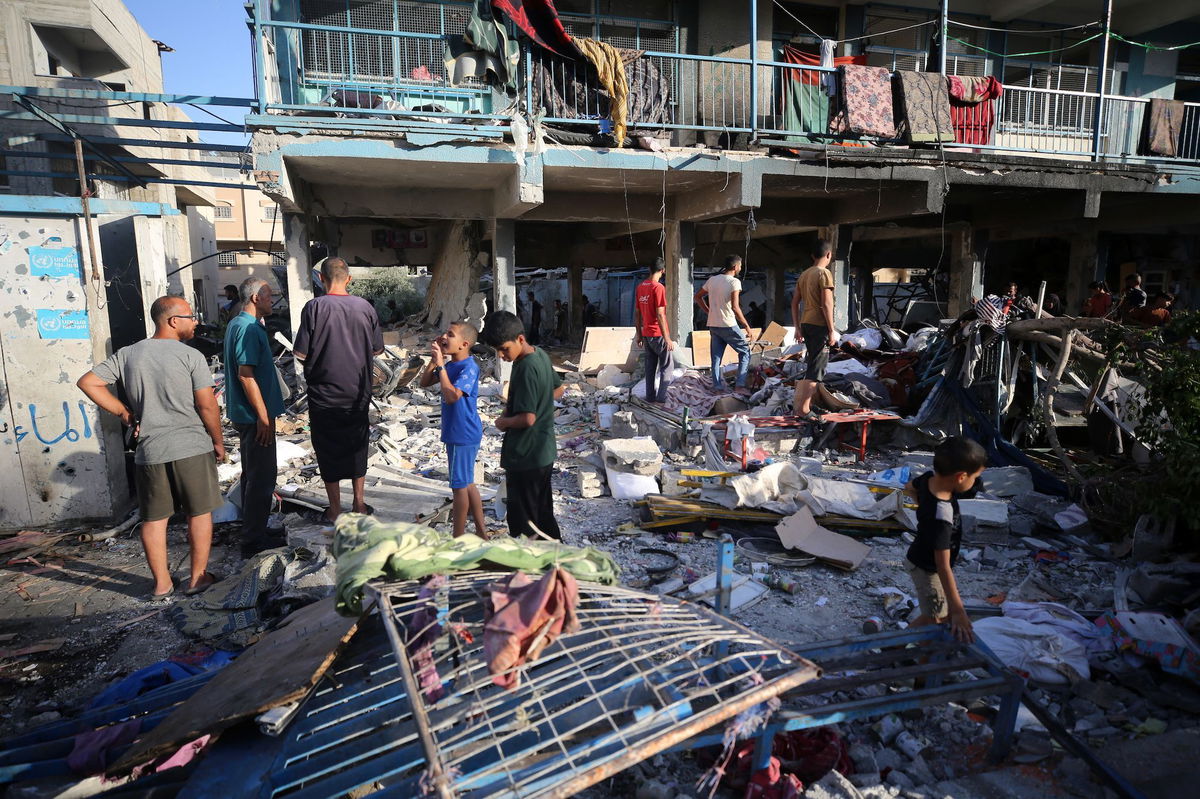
point(278, 258)
point(222, 211)
point(270, 212)
point(228, 258)
point(895, 44)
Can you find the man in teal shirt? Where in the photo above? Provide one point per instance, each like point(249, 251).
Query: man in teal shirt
point(253, 400)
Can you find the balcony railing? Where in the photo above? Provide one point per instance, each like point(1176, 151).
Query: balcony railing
point(373, 78)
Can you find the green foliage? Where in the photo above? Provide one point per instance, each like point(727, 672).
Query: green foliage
point(389, 283)
point(1168, 367)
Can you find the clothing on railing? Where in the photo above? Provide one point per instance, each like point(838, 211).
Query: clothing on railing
point(1162, 128)
point(610, 70)
point(865, 103)
point(804, 106)
point(923, 107)
point(484, 48)
point(972, 111)
point(565, 89)
point(538, 19)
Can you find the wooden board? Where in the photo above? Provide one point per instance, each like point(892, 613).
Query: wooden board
point(278, 670)
point(801, 531)
point(701, 354)
point(773, 335)
point(609, 345)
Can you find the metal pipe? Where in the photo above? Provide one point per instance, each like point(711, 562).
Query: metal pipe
point(943, 26)
point(112, 532)
point(84, 193)
point(1100, 80)
point(753, 110)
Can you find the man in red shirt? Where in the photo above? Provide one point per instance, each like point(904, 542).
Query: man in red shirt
point(650, 316)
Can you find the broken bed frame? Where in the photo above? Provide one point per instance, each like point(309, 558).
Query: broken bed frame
point(642, 675)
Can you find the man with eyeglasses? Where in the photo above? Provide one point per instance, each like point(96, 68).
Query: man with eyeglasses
point(169, 400)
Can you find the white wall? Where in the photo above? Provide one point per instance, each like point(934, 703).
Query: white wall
point(60, 460)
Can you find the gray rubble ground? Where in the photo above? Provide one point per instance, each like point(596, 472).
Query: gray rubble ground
point(114, 632)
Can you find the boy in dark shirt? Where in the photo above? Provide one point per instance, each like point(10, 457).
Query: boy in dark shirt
point(529, 448)
point(957, 464)
point(457, 376)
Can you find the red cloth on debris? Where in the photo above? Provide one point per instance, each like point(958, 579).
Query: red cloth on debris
point(523, 617)
point(799, 758)
point(971, 108)
point(538, 19)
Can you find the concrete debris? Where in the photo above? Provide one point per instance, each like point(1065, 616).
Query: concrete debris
point(633, 456)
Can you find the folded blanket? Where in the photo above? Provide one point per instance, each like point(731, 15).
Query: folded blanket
point(923, 107)
point(366, 549)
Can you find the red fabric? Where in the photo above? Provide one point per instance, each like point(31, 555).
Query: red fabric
point(539, 21)
point(523, 617)
point(972, 108)
point(650, 296)
point(1098, 305)
point(808, 77)
point(799, 757)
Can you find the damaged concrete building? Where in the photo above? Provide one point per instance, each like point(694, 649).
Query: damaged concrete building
point(377, 119)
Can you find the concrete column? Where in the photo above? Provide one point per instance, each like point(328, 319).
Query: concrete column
point(841, 277)
point(680, 255)
point(575, 303)
point(504, 265)
point(1083, 267)
point(966, 272)
point(779, 303)
point(504, 278)
point(150, 238)
point(296, 242)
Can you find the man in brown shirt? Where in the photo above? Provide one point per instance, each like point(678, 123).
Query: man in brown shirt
point(814, 288)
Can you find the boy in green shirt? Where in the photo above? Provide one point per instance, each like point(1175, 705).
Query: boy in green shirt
point(527, 455)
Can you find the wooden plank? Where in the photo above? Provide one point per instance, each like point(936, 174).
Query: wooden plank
point(773, 335)
point(609, 345)
point(702, 354)
point(279, 669)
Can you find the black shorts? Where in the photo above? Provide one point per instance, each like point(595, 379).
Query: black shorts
point(816, 358)
point(340, 438)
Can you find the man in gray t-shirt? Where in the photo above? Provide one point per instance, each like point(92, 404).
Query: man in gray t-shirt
point(168, 387)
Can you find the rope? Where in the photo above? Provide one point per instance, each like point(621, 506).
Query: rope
point(1031, 30)
point(610, 69)
point(1146, 46)
point(1023, 55)
point(885, 33)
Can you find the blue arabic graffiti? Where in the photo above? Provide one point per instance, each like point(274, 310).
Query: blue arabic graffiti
point(69, 433)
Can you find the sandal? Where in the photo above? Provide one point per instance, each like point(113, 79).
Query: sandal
point(202, 586)
point(154, 599)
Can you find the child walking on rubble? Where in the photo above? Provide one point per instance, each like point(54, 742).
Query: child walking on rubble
point(457, 376)
point(957, 465)
point(529, 448)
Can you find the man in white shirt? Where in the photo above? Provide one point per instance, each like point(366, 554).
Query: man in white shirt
point(719, 297)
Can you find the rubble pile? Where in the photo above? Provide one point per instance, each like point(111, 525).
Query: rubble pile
point(1099, 633)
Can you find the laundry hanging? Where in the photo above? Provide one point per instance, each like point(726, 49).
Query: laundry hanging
point(923, 107)
point(804, 96)
point(865, 103)
point(538, 19)
point(972, 110)
point(1164, 123)
point(610, 70)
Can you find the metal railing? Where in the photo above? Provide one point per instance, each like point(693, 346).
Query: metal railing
point(381, 78)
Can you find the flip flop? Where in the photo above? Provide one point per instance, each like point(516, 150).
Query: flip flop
point(202, 586)
point(153, 598)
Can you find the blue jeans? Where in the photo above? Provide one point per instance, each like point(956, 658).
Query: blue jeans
point(733, 337)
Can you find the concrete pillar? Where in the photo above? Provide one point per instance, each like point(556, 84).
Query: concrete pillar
point(841, 276)
point(296, 242)
point(504, 265)
point(150, 237)
point(680, 255)
point(779, 303)
point(966, 272)
point(575, 303)
point(1083, 267)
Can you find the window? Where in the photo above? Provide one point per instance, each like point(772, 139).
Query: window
point(270, 213)
point(72, 53)
point(3, 177)
point(222, 211)
point(228, 258)
point(278, 258)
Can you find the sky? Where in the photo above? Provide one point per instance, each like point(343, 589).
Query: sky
point(212, 53)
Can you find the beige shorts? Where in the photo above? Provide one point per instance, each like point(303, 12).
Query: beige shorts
point(931, 596)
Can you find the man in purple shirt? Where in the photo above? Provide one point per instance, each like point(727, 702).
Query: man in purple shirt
point(339, 336)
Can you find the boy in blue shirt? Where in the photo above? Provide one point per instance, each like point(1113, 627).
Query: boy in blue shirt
point(457, 376)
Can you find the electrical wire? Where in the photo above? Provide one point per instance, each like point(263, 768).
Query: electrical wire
point(1146, 46)
point(803, 24)
point(885, 33)
point(241, 125)
point(1023, 55)
point(1031, 30)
